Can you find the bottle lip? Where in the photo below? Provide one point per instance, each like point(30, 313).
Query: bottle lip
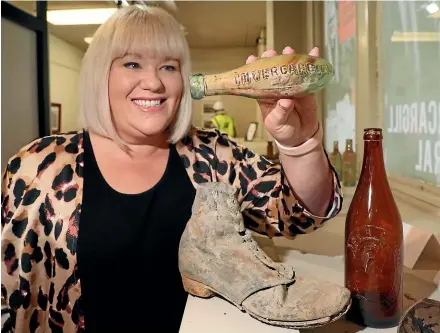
point(197, 86)
point(373, 133)
point(373, 129)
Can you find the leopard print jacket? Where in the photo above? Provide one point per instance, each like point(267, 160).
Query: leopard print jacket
point(41, 208)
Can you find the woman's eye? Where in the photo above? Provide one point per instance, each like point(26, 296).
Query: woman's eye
point(132, 65)
point(169, 68)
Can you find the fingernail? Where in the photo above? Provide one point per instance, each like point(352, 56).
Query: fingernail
point(285, 104)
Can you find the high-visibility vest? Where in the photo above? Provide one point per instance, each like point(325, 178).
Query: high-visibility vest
point(224, 123)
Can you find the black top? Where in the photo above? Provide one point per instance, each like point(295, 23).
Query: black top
point(128, 251)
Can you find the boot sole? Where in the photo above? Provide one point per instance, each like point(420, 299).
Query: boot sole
point(198, 289)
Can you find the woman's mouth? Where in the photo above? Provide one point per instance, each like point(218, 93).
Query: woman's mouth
point(149, 104)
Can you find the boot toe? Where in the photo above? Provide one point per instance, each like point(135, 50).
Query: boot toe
point(305, 300)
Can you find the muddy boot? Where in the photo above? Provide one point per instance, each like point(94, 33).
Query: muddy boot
point(218, 256)
point(422, 317)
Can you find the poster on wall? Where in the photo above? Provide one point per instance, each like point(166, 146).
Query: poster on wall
point(340, 51)
point(410, 78)
point(55, 118)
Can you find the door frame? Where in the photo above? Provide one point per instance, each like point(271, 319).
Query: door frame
point(37, 24)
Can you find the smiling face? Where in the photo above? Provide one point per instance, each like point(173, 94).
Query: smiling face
point(144, 95)
point(134, 85)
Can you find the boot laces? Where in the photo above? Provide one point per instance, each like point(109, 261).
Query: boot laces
point(284, 270)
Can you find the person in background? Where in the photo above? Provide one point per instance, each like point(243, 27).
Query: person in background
point(222, 121)
point(92, 219)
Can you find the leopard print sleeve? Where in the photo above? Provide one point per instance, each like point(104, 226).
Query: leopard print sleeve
point(8, 208)
point(13, 195)
point(268, 203)
point(7, 195)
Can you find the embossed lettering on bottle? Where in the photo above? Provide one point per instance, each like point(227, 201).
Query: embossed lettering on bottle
point(281, 76)
point(373, 243)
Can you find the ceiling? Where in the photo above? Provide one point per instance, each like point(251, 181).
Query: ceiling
point(208, 23)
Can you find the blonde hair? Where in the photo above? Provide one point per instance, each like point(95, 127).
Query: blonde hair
point(133, 29)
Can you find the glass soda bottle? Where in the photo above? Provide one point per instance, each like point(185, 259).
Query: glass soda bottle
point(374, 243)
point(349, 164)
point(281, 76)
point(336, 159)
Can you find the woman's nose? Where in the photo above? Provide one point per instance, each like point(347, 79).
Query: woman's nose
point(151, 81)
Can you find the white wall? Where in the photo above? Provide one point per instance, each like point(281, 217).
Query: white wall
point(209, 61)
point(65, 64)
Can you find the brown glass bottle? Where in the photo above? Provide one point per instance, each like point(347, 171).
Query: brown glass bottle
point(349, 164)
point(374, 243)
point(269, 150)
point(336, 159)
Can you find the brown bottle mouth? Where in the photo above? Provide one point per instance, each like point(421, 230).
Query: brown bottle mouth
point(373, 133)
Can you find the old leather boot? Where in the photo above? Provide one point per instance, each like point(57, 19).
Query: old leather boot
point(422, 317)
point(218, 256)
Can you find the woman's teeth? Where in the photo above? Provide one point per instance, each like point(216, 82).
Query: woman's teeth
point(147, 103)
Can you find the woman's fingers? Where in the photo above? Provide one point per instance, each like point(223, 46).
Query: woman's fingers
point(314, 52)
point(269, 53)
point(250, 59)
point(288, 50)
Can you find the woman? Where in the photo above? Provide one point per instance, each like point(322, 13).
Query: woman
point(91, 220)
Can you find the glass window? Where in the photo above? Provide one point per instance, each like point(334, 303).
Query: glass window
point(340, 51)
point(29, 7)
point(410, 81)
point(19, 99)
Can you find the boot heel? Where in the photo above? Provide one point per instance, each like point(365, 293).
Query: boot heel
point(196, 288)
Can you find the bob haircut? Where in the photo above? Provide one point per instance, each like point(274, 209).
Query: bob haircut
point(135, 29)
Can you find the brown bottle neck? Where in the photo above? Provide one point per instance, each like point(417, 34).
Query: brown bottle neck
point(373, 162)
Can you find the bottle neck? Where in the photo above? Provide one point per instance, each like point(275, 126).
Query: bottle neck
point(373, 162)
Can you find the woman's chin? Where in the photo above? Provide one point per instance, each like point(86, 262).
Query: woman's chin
point(158, 132)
